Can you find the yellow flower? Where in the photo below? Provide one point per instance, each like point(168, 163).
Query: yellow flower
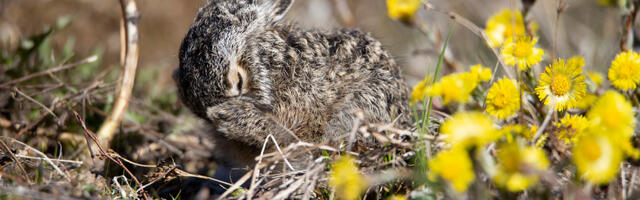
point(597, 158)
point(482, 73)
point(403, 10)
point(454, 87)
point(346, 179)
point(624, 73)
point(561, 85)
point(505, 24)
point(510, 131)
point(454, 166)
point(571, 126)
point(521, 51)
point(503, 99)
point(457, 86)
point(542, 140)
point(596, 77)
point(465, 129)
point(586, 102)
point(517, 165)
point(419, 91)
point(576, 62)
point(613, 114)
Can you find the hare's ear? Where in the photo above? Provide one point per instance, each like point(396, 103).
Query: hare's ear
point(279, 8)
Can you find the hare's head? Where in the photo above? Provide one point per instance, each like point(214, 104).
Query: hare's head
point(211, 68)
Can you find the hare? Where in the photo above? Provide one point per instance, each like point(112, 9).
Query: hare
point(250, 75)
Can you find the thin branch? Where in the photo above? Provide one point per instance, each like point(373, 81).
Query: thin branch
point(130, 19)
point(35, 101)
point(561, 7)
point(57, 160)
point(93, 137)
point(43, 115)
point(52, 70)
point(164, 175)
point(236, 185)
point(626, 41)
point(623, 180)
point(13, 156)
point(42, 155)
point(544, 124)
point(187, 174)
point(354, 129)
point(256, 171)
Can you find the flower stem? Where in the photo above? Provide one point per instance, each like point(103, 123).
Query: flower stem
point(544, 124)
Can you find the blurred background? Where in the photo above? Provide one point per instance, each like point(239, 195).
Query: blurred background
point(585, 28)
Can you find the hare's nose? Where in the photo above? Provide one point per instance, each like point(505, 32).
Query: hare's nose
point(175, 73)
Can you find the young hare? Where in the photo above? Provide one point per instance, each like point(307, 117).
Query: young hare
point(251, 76)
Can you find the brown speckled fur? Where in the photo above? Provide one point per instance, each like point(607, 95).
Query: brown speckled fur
point(250, 75)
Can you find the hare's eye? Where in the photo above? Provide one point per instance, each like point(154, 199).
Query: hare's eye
point(239, 84)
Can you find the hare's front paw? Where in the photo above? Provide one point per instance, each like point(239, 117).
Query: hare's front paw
point(242, 120)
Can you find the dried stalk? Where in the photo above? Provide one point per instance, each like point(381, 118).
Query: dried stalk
point(92, 136)
point(13, 156)
point(129, 48)
point(626, 41)
point(35, 101)
point(42, 155)
point(7, 85)
point(57, 160)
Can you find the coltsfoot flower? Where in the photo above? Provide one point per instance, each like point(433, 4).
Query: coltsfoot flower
point(454, 166)
point(624, 73)
point(576, 62)
point(420, 90)
point(457, 86)
point(521, 51)
point(597, 158)
point(517, 165)
point(596, 77)
point(466, 129)
point(482, 73)
point(346, 179)
point(561, 85)
point(503, 99)
point(571, 127)
point(586, 102)
point(506, 24)
point(613, 114)
point(403, 10)
point(454, 87)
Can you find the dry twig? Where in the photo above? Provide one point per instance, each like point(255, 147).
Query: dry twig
point(13, 156)
point(41, 154)
point(7, 85)
point(129, 48)
point(35, 101)
point(95, 139)
point(626, 41)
